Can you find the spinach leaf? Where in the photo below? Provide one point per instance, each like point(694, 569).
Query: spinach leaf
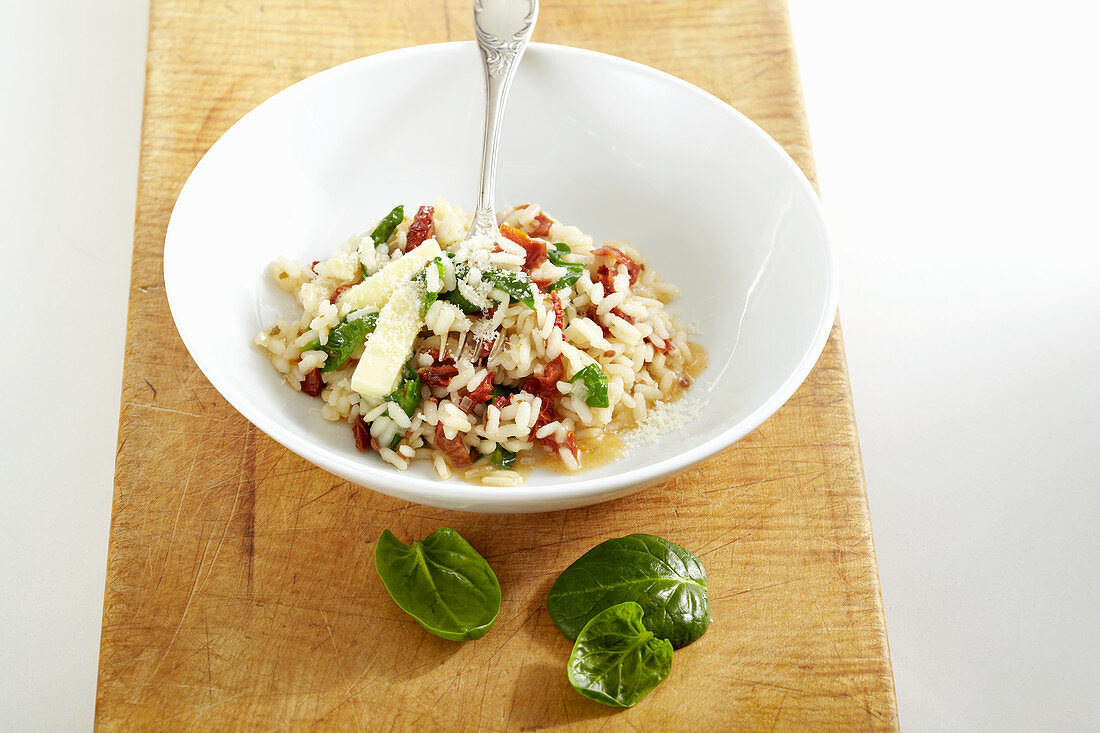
point(389, 223)
point(421, 277)
point(595, 385)
point(617, 661)
point(503, 458)
point(462, 270)
point(517, 285)
point(454, 296)
point(407, 394)
point(407, 397)
point(666, 580)
point(502, 390)
point(344, 338)
point(440, 581)
point(574, 270)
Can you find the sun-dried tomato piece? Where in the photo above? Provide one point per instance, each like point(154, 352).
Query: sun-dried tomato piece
point(663, 349)
point(616, 311)
point(632, 267)
point(605, 278)
point(559, 313)
point(314, 266)
point(501, 402)
point(482, 392)
point(486, 348)
point(536, 251)
point(421, 229)
point(453, 448)
point(542, 284)
point(545, 384)
point(337, 293)
point(547, 414)
point(361, 431)
point(592, 315)
point(571, 444)
point(312, 384)
point(542, 224)
point(437, 375)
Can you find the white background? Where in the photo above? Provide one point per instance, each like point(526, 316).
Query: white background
point(956, 147)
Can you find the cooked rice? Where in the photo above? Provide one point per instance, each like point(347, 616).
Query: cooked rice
point(624, 328)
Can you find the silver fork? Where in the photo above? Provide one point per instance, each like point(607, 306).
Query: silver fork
point(503, 28)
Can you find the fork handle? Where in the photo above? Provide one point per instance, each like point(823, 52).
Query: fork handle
point(503, 28)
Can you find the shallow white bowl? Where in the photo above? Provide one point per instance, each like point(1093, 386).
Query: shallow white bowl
point(620, 150)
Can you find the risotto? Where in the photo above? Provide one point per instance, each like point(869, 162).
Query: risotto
point(483, 355)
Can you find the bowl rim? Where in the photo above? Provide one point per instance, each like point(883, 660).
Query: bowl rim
point(383, 478)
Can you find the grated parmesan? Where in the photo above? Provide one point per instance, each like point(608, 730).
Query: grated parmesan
point(663, 418)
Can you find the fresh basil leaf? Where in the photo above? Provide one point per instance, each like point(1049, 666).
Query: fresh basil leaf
point(616, 660)
point(363, 270)
point(386, 227)
point(344, 338)
point(503, 458)
point(666, 580)
point(517, 285)
point(440, 581)
point(595, 385)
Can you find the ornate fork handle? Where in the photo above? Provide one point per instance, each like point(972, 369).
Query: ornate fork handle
point(502, 28)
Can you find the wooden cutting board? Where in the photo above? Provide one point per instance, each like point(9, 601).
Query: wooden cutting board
point(240, 585)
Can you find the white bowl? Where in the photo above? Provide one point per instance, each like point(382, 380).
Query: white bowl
point(620, 150)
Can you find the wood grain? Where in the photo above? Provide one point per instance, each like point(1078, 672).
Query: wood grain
point(240, 586)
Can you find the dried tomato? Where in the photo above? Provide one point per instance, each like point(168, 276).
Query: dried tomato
point(605, 278)
point(483, 390)
point(486, 348)
point(571, 444)
point(421, 229)
point(545, 384)
point(314, 266)
point(337, 293)
point(632, 267)
point(663, 349)
point(437, 375)
point(616, 311)
point(542, 225)
point(455, 450)
point(361, 431)
point(312, 384)
point(547, 415)
point(559, 314)
point(536, 251)
point(501, 402)
point(542, 284)
point(592, 315)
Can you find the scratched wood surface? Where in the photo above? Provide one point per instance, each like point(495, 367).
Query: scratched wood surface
point(240, 586)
